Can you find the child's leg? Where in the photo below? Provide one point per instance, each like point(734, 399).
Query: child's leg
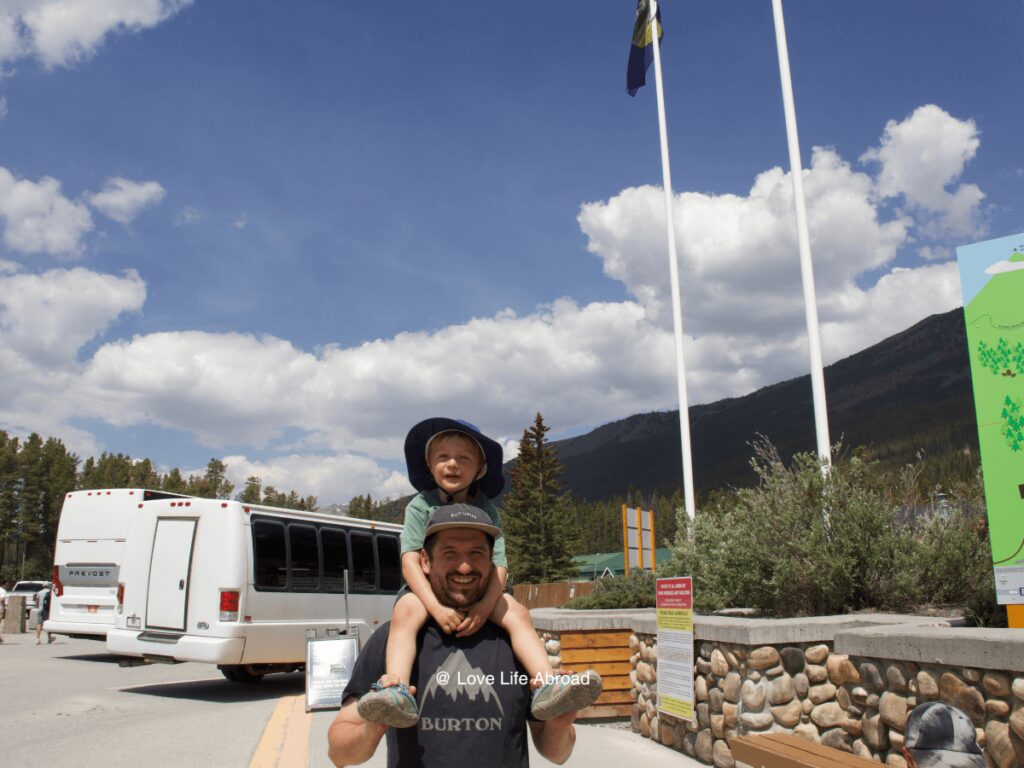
point(407, 619)
point(513, 617)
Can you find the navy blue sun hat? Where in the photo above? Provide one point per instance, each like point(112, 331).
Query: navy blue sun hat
point(490, 483)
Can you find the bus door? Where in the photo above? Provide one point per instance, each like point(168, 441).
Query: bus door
point(169, 572)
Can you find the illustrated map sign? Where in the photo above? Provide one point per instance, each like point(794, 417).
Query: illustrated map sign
point(329, 663)
point(992, 276)
point(674, 601)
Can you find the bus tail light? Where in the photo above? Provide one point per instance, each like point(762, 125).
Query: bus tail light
point(58, 588)
point(120, 593)
point(229, 605)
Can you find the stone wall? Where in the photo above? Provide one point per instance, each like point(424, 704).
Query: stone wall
point(845, 681)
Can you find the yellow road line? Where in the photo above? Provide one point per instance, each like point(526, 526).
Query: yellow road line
point(285, 741)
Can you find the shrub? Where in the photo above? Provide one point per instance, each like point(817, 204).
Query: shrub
point(633, 591)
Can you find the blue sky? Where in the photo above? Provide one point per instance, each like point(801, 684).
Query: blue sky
point(282, 233)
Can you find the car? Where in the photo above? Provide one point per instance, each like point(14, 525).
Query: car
point(28, 590)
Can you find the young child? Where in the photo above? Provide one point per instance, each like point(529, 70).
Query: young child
point(451, 461)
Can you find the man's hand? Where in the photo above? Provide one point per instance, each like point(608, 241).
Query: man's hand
point(448, 619)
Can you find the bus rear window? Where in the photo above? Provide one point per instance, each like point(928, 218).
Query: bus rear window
point(335, 559)
point(270, 558)
point(305, 558)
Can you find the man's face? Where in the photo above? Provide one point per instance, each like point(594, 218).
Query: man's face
point(454, 461)
point(460, 566)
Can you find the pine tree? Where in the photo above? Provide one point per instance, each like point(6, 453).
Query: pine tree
point(541, 532)
point(251, 493)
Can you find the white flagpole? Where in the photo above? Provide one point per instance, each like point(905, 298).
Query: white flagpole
point(673, 266)
point(806, 269)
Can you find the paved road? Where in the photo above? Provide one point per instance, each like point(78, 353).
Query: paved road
point(70, 704)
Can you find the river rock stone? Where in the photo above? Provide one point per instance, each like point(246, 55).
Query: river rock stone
point(841, 670)
point(996, 708)
point(733, 659)
point(815, 673)
point(828, 715)
point(895, 679)
point(764, 657)
point(870, 677)
point(753, 675)
point(927, 687)
point(1017, 686)
point(808, 731)
point(553, 647)
point(645, 726)
point(871, 702)
point(788, 715)
point(655, 728)
point(753, 696)
point(718, 726)
point(895, 760)
point(801, 685)
point(996, 683)
point(700, 688)
point(971, 675)
point(689, 743)
point(807, 705)
point(721, 755)
point(998, 745)
point(719, 664)
point(716, 698)
point(837, 739)
point(859, 695)
point(706, 650)
point(843, 697)
point(1017, 722)
point(792, 660)
point(670, 735)
point(816, 654)
point(969, 699)
point(645, 672)
point(781, 690)
point(860, 749)
point(895, 739)
point(819, 694)
point(731, 686)
point(875, 733)
point(731, 713)
point(756, 721)
point(704, 745)
point(704, 715)
point(893, 710)
point(634, 643)
point(703, 667)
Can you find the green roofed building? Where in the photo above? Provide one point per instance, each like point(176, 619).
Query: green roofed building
point(591, 567)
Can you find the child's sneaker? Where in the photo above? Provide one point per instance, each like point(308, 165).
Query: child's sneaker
point(389, 705)
point(565, 693)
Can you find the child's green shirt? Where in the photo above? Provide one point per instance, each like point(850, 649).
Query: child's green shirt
point(418, 510)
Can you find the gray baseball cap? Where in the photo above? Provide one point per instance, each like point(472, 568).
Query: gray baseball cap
point(460, 516)
point(941, 736)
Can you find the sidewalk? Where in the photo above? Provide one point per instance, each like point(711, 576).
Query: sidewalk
point(597, 746)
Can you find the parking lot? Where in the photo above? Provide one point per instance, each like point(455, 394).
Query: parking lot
point(70, 704)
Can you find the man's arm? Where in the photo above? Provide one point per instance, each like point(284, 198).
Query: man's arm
point(554, 738)
point(350, 739)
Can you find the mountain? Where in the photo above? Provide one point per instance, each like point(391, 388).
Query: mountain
point(906, 394)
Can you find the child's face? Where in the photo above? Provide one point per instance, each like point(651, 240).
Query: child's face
point(454, 462)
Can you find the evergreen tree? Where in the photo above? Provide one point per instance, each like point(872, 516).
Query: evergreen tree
point(251, 493)
point(214, 483)
point(172, 482)
point(541, 532)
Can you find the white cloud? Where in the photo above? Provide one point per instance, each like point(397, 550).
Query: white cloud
point(336, 478)
point(920, 158)
point(63, 32)
point(3, 108)
point(189, 215)
point(240, 222)
point(122, 199)
point(39, 219)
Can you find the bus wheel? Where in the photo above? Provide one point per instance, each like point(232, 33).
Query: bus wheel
point(228, 672)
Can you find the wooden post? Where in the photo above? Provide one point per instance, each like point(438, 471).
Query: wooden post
point(625, 538)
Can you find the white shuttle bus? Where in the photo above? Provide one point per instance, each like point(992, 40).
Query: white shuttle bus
point(91, 537)
point(243, 586)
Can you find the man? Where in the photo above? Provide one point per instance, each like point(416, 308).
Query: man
point(42, 613)
point(474, 696)
point(4, 586)
point(938, 735)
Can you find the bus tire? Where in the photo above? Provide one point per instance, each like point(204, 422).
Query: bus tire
point(228, 672)
point(242, 673)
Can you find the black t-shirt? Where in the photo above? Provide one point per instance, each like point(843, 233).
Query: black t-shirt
point(473, 696)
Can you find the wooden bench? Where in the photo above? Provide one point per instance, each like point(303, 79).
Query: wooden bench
point(787, 750)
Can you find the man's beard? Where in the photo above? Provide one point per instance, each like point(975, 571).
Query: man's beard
point(458, 597)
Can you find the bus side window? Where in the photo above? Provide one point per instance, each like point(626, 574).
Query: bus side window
point(363, 573)
point(335, 559)
point(270, 556)
point(304, 564)
point(390, 563)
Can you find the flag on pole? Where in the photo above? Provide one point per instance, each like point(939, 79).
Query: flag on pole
point(641, 51)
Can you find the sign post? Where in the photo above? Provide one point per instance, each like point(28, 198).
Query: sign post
point(992, 277)
point(674, 601)
point(329, 663)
